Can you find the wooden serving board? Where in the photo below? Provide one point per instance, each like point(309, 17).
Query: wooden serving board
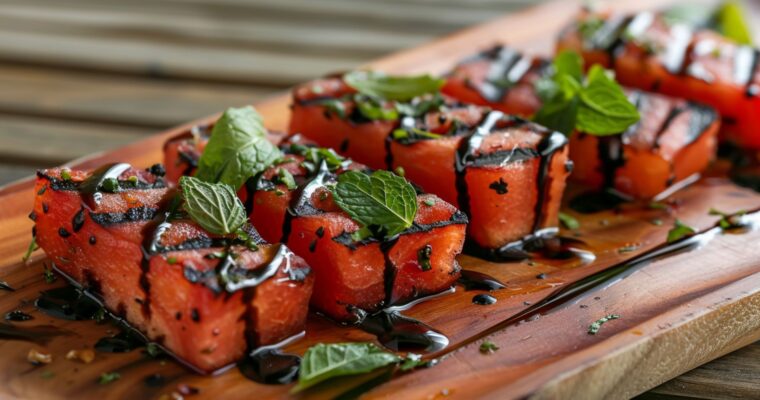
point(677, 312)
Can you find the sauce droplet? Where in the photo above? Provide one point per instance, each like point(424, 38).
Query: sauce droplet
point(483, 299)
point(473, 280)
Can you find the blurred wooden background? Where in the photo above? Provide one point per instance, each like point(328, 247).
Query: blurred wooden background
point(81, 76)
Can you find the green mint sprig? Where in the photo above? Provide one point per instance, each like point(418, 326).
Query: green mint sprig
point(237, 149)
point(596, 105)
point(389, 87)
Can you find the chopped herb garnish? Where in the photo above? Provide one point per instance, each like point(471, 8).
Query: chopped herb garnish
point(728, 221)
point(589, 26)
point(153, 350)
point(423, 257)
point(375, 109)
point(656, 205)
point(429, 202)
point(133, 180)
point(596, 105)
point(679, 231)
point(488, 347)
point(66, 174)
point(286, 178)
point(47, 374)
point(399, 171)
point(334, 106)
point(237, 150)
point(110, 185)
point(100, 315)
point(414, 133)
point(108, 377)
point(214, 206)
point(383, 202)
point(595, 326)
point(387, 87)
point(569, 221)
point(171, 260)
point(420, 106)
point(48, 274)
point(325, 361)
point(313, 156)
point(31, 249)
point(412, 361)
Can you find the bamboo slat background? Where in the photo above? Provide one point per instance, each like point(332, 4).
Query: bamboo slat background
point(81, 76)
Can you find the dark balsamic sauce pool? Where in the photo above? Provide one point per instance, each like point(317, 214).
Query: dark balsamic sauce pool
point(739, 225)
point(398, 332)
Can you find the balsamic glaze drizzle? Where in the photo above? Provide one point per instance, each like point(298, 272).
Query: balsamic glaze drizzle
point(507, 68)
point(399, 332)
point(465, 153)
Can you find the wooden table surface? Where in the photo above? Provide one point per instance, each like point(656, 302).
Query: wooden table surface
point(82, 76)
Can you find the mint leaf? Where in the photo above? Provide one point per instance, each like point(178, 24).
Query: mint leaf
point(730, 22)
point(604, 107)
point(237, 149)
point(560, 110)
point(559, 114)
point(382, 200)
point(597, 106)
point(679, 231)
point(214, 206)
point(568, 63)
point(565, 78)
point(325, 361)
point(387, 87)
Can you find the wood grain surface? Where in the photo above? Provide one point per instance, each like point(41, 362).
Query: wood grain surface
point(677, 313)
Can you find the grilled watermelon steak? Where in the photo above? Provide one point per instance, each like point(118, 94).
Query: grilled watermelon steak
point(648, 52)
point(505, 173)
point(353, 276)
point(207, 299)
point(673, 141)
